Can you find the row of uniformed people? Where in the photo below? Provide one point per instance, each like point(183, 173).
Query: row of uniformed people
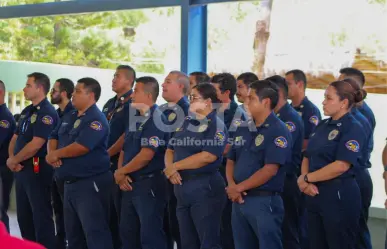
point(165, 91)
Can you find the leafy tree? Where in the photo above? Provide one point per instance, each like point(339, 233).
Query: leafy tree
point(94, 40)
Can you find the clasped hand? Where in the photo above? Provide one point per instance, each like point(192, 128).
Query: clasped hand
point(307, 188)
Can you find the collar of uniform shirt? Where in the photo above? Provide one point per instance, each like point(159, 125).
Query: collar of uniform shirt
point(122, 99)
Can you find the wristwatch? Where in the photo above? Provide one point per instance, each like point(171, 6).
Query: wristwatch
point(385, 168)
point(306, 178)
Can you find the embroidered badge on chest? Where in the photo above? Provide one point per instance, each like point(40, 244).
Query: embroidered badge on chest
point(171, 116)
point(202, 128)
point(33, 118)
point(120, 109)
point(77, 123)
point(259, 140)
point(333, 134)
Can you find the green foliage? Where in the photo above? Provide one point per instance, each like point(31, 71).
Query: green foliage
point(382, 2)
point(94, 40)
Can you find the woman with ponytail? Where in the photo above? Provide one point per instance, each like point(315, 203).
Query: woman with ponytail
point(334, 154)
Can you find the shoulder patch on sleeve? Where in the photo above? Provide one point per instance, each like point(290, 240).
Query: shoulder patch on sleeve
point(220, 136)
point(314, 120)
point(281, 142)
point(154, 141)
point(4, 124)
point(96, 125)
point(353, 145)
point(47, 120)
point(291, 126)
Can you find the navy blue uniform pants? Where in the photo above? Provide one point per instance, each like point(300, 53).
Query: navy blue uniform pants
point(364, 181)
point(291, 197)
point(115, 212)
point(226, 235)
point(303, 221)
point(333, 215)
point(171, 224)
point(33, 204)
point(115, 208)
point(257, 223)
point(200, 202)
point(142, 214)
point(57, 204)
point(6, 178)
point(86, 211)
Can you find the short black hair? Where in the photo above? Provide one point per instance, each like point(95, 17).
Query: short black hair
point(66, 85)
point(266, 89)
point(207, 91)
point(281, 84)
point(130, 71)
point(226, 82)
point(354, 73)
point(42, 80)
point(151, 85)
point(200, 77)
point(247, 78)
point(91, 85)
point(298, 75)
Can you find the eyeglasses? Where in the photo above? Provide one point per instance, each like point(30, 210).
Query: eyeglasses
point(192, 98)
point(54, 91)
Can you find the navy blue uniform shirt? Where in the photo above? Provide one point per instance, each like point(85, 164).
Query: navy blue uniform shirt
point(147, 134)
point(90, 130)
point(36, 121)
point(69, 108)
point(175, 115)
point(295, 126)
point(117, 114)
point(333, 140)
point(7, 128)
point(209, 134)
point(366, 155)
point(310, 115)
point(233, 117)
point(367, 112)
point(270, 143)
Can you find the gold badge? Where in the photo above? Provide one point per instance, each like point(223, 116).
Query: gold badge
point(120, 109)
point(33, 118)
point(171, 117)
point(333, 134)
point(259, 139)
point(202, 128)
point(76, 124)
point(300, 113)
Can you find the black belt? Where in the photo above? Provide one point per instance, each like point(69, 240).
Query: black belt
point(70, 180)
point(261, 192)
point(188, 177)
point(73, 179)
point(147, 176)
point(335, 181)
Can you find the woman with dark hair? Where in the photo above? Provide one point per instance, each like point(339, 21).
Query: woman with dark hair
point(333, 155)
point(192, 161)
